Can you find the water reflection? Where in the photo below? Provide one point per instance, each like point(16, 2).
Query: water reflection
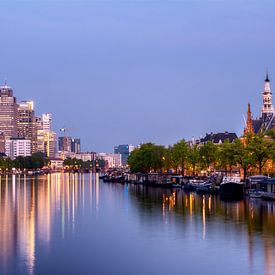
point(37, 212)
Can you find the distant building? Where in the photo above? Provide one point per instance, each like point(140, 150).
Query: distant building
point(86, 156)
point(218, 138)
point(16, 147)
point(2, 143)
point(65, 144)
point(26, 123)
point(125, 151)
point(267, 119)
point(46, 138)
point(8, 112)
point(56, 164)
point(75, 145)
point(111, 160)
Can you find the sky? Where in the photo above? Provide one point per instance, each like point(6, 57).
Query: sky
point(128, 72)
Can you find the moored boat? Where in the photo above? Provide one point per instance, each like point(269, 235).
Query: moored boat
point(231, 188)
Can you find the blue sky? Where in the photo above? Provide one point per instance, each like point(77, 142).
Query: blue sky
point(135, 71)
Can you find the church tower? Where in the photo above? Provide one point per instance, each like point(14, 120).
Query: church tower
point(249, 126)
point(267, 107)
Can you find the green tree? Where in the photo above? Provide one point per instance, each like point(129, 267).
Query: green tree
point(208, 155)
point(242, 156)
point(226, 156)
point(193, 158)
point(260, 150)
point(179, 154)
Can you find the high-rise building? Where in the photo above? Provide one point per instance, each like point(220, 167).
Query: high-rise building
point(16, 147)
point(76, 145)
point(46, 138)
point(65, 144)
point(8, 112)
point(26, 123)
point(125, 151)
point(47, 122)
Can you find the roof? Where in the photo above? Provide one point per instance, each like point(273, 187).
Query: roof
point(257, 124)
point(219, 137)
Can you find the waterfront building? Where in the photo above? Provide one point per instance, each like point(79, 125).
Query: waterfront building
point(218, 138)
point(86, 156)
point(8, 112)
point(26, 123)
point(124, 150)
point(111, 160)
point(65, 144)
point(56, 164)
point(16, 147)
point(267, 119)
point(76, 145)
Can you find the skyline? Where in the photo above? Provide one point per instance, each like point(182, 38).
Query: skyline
point(141, 73)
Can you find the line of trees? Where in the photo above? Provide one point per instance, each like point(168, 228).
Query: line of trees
point(252, 153)
point(35, 161)
point(73, 163)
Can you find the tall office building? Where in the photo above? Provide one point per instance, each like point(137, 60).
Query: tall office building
point(46, 138)
point(125, 151)
point(47, 122)
point(65, 144)
point(75, 145)
point(26, 123)
point(8, 112)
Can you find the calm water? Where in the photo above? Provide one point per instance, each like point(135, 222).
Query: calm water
point(76, 224)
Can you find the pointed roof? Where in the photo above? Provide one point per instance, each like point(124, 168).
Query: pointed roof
point(267, 78)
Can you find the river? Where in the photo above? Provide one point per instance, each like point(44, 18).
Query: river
point(76, 224)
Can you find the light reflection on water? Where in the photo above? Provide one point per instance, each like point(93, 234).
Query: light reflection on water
point(75, 223)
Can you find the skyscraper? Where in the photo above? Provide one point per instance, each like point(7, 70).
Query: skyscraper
point(8, 112)
point(65, 144)
point(76, 145)
point(46, 138)
point(26, 123)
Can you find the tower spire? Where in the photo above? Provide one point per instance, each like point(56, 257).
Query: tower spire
point(267, 78)
point(267, 106)
point(249, 126)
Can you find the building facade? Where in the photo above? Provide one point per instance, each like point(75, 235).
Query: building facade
point(124, 151)
point(76, 145)
point(65, 144)
point(8, 112)
point(111, 160)
point(26, 123)
point(16, 147)
point(46, 138)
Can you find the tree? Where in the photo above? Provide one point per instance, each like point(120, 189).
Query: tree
point(260, 150)
point(193, 157)
point(146, 158)
point(208, 154)
point(226, 156)
point(242, 156)
point(179, 154)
